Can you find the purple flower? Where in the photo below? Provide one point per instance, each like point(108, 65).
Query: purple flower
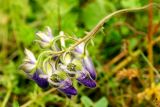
point(28, 65)
point(67, 88)
point(80, 48)
point(86, 80)
point(88, 64)
point(81, 68)
point(42, 82)
point(62, 82)
point(56, 66)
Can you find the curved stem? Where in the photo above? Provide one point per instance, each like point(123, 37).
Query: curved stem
point(44, 64)
point(40, 57)
point(62, 36)
point(100, 24)
point(45, 53)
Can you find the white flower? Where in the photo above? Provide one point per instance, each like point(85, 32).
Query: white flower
point(29, 61)
point(44, 38)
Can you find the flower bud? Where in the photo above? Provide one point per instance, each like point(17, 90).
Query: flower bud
point(44, 38)
point(29, 61)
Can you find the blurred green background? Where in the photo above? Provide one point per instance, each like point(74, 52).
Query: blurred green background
point(124, 78)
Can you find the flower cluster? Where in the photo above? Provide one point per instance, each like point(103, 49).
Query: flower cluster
point(58, 65)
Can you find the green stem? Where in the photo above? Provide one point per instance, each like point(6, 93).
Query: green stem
point(91, 34)
point(62, 36)
point(41, 56)
point(46, 53)
point(100, 24)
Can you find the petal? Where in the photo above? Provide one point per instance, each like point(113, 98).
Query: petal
point(67, 88)
point(27, 67)
point(88, 64)
point(42, 82)
point(50, 67)
point(86, 80)
point(80, 48)
point(43, 36)
point(62, 40)
point(64, 68)
point(49, 32)
point(58, 79)
point(30, 55)
point(42, 43)
point(52, 83)
point(67, 58)
point(69, 91)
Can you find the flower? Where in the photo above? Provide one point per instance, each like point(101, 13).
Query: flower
point(42, 82)
point(58, 65)
point(74, 67)
point(87, 62)
point(59, 79)
point(80, 48)
point(44, 38)
point(86, 80)
point(70, 64)
point(29, 65)
point(29, 61)
point(67, 88)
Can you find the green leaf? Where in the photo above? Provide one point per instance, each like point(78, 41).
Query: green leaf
point(103, 102)
point(86, 101)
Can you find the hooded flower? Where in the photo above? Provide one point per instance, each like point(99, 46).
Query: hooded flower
point(29, 61)
point(42, 82)
point(69, 64)
point(85, 79)
point(59, 79)
point(29, 65)
point(67, 88)
point(56, 66)
point(44, 38)
point(88, 65)
point(73, 66)
point(87, 62)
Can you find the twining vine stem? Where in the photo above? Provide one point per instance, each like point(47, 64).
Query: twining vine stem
point(101, 23)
